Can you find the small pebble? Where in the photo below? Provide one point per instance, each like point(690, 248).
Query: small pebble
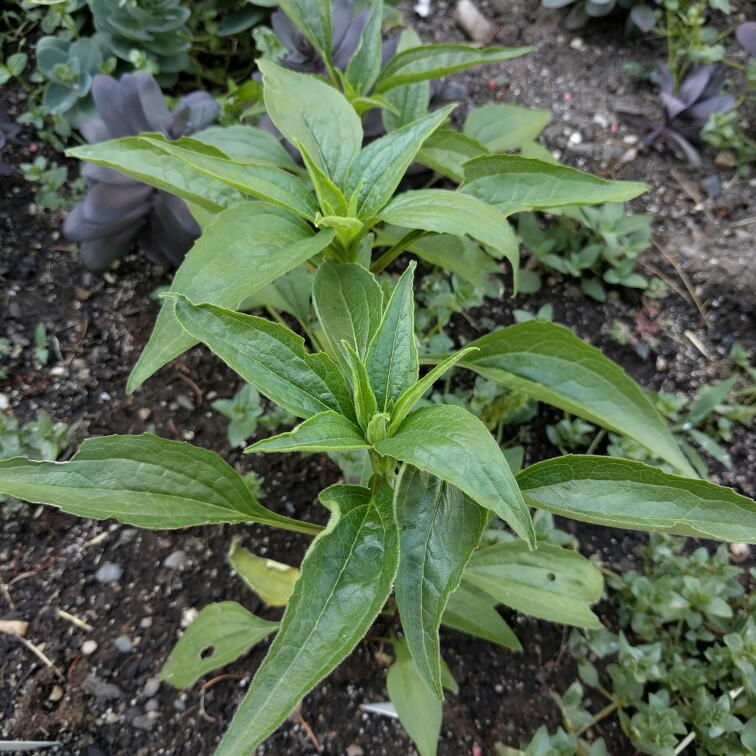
point(88, 647)
point(146, 623)
point(55, 694)
point(184, 402)
point(576, 137)
point(151, 687)
point(145, 721)
point(499, 688)
point(354, 750)
point(4, 402)
point(174, 560)
point(179, 705)
point(123, 644)
point(152, 705)
point(188, 616)
point(576, 43)
point(108, 573)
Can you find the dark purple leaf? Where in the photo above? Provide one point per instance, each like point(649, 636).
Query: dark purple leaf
point(99, 255)
point(746, 35)
point(695, 84)
point(106, 204)
point(679, 143)
point(700, 112)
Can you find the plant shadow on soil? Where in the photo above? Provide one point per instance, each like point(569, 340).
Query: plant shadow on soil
point(48, 561)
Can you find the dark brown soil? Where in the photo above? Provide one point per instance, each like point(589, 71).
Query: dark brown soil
point(48, 560)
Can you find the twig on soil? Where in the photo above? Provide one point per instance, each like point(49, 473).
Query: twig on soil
point(6, 594)
point(37, 386)
point(308, 730)
point(694, 194)
point(667, 280)
point(193, 386)
point(32, 573)
point(697, 343)
point(75, 620)
point(220, 678)
point(71, 351)
point(684, 278)
point(743, 222)
point(41, 656)
point(202, 711)
point(172, 428)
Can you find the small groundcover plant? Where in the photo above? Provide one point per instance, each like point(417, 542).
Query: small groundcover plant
point(438, 479)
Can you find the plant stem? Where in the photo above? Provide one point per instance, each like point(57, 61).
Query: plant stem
point(605, 712)
point(390, 255)
point(598, 438)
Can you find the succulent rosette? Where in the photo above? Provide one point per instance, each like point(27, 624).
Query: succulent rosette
point(120, 212)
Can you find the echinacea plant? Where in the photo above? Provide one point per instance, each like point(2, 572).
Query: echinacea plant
point(8, 132)
point(409, 537)
point(120, 211)
point(347, 33)
point(685, 112)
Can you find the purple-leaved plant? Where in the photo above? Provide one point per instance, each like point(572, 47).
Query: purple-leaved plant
point(347, 28)
point(119, 212)
point(685, 113)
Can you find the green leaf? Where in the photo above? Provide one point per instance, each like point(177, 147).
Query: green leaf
point(346, 577)
point(549, 363)
point(434, 61)
point(328, 431)
point(365, 403)
point(330, 198)
point(414, 394)
point(391, 360)
point(270, 357)
point(515, 183)
point(289, 293)
point(145, 481)
point(272, 581)
point(349, 304)
point(246, 248)
point(248, 143)
point(457, 254)
point(624, 494)
point(446, 151)
point(259, 180)
point(307, 110)
point(376, 172)
point(365, 65)
point(708, 398)
point(439, 528)
point(473, 611)
point(551, 583)
point(408, 102)
point(219, 634)
point(419, 710)
point(448, 212)
point(133, 157)
point(501, 127)
point(313, 19)
point(454, 445)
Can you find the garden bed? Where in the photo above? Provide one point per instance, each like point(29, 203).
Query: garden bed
point(50, 562)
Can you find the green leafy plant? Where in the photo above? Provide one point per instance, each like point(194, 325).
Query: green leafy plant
point(49, 178)
point(41, 438)
point(245, 412)
point(69, 68)
point(679, 671)
point(152, 35)
point(412, 534)
point(598, 245)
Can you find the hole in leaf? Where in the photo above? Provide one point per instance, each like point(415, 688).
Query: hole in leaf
point(207, 652)
point(550, 576)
